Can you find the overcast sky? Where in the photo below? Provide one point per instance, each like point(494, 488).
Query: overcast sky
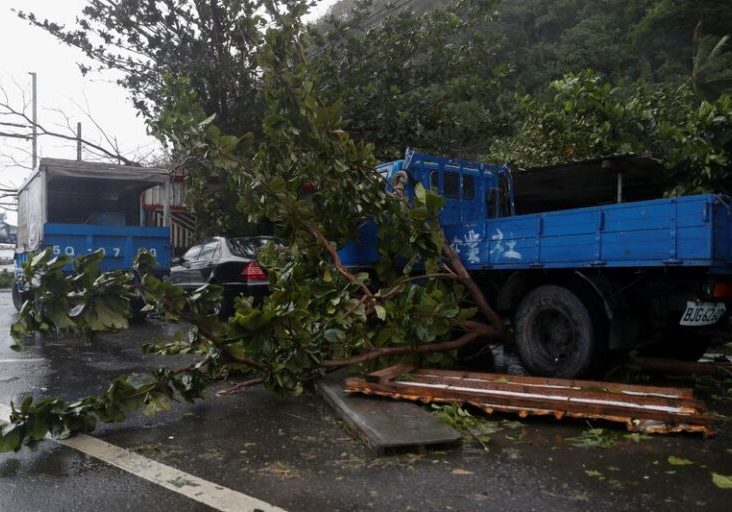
point(61, 86)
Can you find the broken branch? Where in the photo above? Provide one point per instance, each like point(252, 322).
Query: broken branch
point(427, 348)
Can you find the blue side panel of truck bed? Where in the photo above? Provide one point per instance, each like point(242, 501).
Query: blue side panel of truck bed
point(691, 231)
point(364, 250)
point(120, 243)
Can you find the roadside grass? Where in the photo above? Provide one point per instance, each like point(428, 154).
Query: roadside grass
point(6, 279)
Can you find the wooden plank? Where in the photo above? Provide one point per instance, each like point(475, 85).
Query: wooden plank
point(390, 373)
point(633, 425)
point(428, 394)
point(612, 387)
point(578, 393)
point(386, 425)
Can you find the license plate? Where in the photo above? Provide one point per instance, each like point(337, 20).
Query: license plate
point(702, 313)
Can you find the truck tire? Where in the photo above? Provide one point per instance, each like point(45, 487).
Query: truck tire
point(137, 315)
point(555, 333)
point(226, 309)
point(18, 299)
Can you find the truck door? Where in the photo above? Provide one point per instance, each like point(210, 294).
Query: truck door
point(472, 208)
point(497, 197)
point(452, 211)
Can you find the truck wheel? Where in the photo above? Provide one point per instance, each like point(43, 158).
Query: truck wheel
point(227, 306)
point(680, 344)
point(18, 299)
point(136, 313)
point(555, 333)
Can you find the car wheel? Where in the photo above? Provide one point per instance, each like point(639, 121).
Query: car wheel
point(555, 333)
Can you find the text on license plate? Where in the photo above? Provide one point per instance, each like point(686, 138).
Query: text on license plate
point(702, 313)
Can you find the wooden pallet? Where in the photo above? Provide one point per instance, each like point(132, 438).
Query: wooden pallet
point(649, 409)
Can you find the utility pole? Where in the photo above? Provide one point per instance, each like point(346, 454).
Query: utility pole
point(35, 119)
point(78, 141)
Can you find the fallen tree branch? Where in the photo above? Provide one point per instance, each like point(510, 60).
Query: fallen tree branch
point(239, 386)
point(411, 279)
point(457, 265)
point(479, 327)
point(336, 259)
point(427, 348)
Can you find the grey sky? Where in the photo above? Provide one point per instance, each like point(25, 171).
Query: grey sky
point(61, 86)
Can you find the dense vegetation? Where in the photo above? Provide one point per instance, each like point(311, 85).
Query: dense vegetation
point(510, 80)
point(541, 40)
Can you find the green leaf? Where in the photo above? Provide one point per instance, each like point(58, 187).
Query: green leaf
point(37, 428)
point(380, 312)
point(40, 257)
point(157, 403)
point(678, 461)
point(26, 404)
point(334, 335)
point(420, 193)
point(10, 438)
point(77, 310)
point(207, 121)
point(278, 184)
point(721, 481)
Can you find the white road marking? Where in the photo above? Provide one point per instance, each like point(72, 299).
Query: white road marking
point(198, 489)
point(29, 360)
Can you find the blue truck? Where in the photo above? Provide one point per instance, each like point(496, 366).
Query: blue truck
point(76, 207)
point(579, 283)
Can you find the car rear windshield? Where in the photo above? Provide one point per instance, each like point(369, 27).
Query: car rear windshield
point(247, 247)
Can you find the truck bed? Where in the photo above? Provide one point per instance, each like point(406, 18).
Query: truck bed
point(691, 231)
point(120, 243)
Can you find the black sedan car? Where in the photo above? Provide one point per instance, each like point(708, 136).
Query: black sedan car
point(229, 262)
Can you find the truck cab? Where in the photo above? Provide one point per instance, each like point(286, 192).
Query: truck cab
point(473, 193)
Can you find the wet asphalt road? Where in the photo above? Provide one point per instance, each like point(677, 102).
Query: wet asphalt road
point(295, 454)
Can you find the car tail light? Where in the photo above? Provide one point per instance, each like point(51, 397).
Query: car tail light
point(722, 291)
point(253, 272)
